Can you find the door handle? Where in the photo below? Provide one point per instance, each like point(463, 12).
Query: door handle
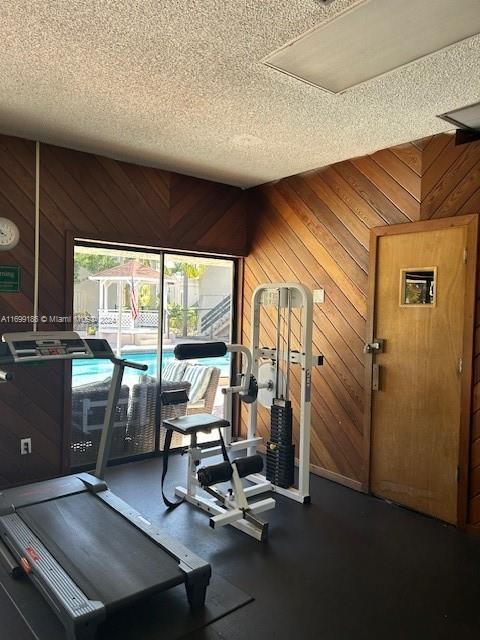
point(374, 347)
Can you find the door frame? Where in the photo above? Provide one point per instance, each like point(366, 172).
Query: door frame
point(471, 222)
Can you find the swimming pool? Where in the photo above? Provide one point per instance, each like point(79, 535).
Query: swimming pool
point(86, 371)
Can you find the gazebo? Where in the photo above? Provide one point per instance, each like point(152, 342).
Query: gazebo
point(112, 315)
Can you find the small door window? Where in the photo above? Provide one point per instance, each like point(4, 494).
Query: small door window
point(418, 287)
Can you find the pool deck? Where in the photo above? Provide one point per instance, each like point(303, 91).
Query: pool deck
point(146, 348)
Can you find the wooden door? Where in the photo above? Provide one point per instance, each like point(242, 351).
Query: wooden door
point(423, 287)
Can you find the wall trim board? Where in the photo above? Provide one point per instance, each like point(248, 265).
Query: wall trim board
point(67, 385)
point(337, 477)
point(467, 378)
point(139, 240)
point(321, 472)
point(424, 225)
point(472, 529)
point(36, 282)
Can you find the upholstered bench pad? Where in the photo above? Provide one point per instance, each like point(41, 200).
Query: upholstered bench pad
point(197, 422)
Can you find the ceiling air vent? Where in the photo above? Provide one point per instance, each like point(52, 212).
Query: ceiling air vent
point(467, 121)
point(373, 38)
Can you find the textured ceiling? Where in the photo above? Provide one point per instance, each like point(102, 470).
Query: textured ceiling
point(180, 85)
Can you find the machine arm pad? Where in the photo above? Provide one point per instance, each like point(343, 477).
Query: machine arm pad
point(189, 350)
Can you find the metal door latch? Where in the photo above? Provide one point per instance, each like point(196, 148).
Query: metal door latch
point(376, 377)
point(374, 347)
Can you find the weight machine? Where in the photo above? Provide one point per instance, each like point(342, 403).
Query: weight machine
point(265, 379)
point(287, 302)
point(225, 507)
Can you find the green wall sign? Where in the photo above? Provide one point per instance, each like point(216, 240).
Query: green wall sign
point(9, 279)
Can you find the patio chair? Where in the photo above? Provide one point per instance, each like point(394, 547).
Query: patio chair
point(206, 402)
point(204, 383)
point(143, 413)
point(88, 411)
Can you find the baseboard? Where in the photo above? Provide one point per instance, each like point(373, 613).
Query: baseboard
point(338, 477)
point(329, 475)
point(473, 529)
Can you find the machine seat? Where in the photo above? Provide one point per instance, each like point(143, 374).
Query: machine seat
point(186, 425)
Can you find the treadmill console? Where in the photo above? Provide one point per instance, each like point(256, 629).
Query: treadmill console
point(29, 346)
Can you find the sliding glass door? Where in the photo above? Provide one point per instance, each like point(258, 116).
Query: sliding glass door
point(198, 293)
point(144, 303)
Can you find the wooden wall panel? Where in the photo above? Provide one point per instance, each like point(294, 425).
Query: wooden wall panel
point(27, 407)
point(314, 229)
point(451, 187)
point(97, 198)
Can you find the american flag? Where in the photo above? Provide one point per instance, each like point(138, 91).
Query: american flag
point(133, 300)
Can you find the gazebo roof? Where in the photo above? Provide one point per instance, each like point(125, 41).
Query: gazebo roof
point(128, 271)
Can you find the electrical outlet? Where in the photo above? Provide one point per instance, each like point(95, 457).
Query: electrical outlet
point(319, 296)
point(25, 446)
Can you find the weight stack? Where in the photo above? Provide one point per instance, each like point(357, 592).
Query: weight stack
point(280, 458)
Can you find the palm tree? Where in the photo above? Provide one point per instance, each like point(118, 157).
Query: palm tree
point(190, 271)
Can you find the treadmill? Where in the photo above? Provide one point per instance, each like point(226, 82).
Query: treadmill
point(87, 551)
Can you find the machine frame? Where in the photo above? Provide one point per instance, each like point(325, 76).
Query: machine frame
point(234, 507)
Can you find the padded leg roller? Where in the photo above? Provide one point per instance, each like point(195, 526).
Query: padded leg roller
point(248, 465)
point(222, 472)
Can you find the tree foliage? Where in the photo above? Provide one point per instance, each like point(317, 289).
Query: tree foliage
point(176, 319)
point(187, 269)
point(145, 298)
point(93, 263)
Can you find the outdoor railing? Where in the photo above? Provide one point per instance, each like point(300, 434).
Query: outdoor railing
point(147, 319)
point(205, 325)
point(216, 317)
point(108, 319)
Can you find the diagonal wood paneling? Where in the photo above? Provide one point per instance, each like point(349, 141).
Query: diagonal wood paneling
point(314, 229)
point(451, 186)
point(28, 407)
point(92, 197)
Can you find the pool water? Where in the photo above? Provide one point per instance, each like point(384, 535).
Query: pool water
point(87, 371)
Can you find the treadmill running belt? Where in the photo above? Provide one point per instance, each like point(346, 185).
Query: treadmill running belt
point(105, 555)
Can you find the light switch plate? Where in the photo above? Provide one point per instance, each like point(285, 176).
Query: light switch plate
point(319, 296)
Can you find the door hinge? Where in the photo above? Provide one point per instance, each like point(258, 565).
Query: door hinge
point(465, 256)
point(460, 365)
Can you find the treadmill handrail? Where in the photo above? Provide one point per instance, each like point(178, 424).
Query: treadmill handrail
point(129, 364)
point(94, 347)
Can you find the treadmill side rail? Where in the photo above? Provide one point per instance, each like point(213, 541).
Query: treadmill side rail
point(195, 568)
point(79, 615)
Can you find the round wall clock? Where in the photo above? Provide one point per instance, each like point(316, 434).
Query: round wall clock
point(9, 234)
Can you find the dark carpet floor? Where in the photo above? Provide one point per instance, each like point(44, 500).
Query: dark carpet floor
point(346, 566)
